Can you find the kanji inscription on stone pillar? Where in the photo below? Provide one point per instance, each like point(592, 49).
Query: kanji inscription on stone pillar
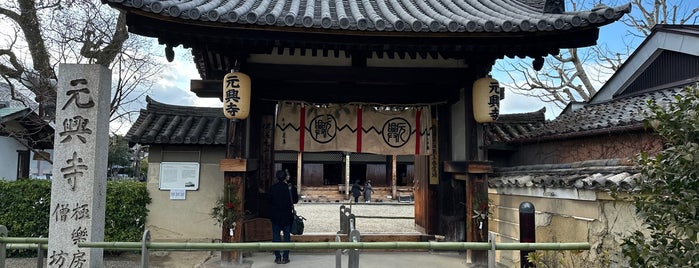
point(79, 183)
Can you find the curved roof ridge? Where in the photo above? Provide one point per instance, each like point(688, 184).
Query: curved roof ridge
point(372, 15)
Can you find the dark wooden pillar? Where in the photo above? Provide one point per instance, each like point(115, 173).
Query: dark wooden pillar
point(233, 180)
point(234, 171)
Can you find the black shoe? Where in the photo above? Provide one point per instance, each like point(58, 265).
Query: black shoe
point(278, 261)
point(285, 261)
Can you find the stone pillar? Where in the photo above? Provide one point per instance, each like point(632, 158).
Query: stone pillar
point(79, 183)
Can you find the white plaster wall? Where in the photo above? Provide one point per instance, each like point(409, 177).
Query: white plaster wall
point(8, 158)
point(189, 219)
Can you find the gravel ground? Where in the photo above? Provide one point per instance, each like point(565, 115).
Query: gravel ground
point(325, 217)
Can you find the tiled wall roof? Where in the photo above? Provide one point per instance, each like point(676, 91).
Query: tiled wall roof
point(590, 175)
point(614, 115)
point(510, 127)
point(162, 123)
point(384, 15)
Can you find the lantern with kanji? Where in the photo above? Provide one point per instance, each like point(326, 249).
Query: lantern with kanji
point(486, 100)
point(236, 95)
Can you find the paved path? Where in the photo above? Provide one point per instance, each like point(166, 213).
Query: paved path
point(366, 260)
point(322, 218)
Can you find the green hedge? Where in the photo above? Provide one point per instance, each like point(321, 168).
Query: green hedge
point(25, 209)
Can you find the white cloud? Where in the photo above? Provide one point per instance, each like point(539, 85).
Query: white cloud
point(517, 103)
point(173, 87)
point(208, 102)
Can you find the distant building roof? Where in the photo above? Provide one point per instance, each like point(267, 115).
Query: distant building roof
point(24, 125)
point(653, 62)
point(619, 114)
point(163, 123)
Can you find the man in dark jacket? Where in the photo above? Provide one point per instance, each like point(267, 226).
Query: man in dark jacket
point(282, 198)
point(356, 190)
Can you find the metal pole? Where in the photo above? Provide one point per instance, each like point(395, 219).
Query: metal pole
point(347, 228)
point(353, 258)
point(39, 256)
point(24, 240)
point(300, 246)
point(344, 224)
point(491, 252)
point(527, 231)
point(338, 254)
point(3, 254)
point(144, 248)
point(352, 223)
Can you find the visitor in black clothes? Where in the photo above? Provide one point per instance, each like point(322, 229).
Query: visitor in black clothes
point(356, 190)
point(282, 197)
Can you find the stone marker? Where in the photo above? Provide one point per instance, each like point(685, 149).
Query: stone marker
point(79, 183)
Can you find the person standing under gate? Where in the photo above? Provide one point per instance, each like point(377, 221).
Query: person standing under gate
point(368, 190)
point(282, 197)
point(356, 190)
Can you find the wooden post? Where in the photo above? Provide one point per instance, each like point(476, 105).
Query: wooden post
point(347, 176)
point(394, 188)
point(469, 208)
point(299, 166)
point(234, 175)
point(236, 180)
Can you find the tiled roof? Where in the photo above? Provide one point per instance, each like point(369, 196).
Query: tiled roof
point(589, 175)
point(28, 127)
point(7, 113)
point(615, 115)
point(384, 15)
point(510, 127)
point(162, 123)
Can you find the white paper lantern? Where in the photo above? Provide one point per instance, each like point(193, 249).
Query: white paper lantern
point(486, 100)
point(236, 95)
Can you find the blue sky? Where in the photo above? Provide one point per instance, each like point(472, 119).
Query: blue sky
point(614, 36)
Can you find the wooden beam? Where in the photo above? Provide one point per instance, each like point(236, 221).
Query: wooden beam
point(470, 167)
point(238, 165)
point(480, 168)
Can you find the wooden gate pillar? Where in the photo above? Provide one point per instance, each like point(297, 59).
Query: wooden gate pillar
point(234, 171)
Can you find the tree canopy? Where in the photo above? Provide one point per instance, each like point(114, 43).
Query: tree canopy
point(37, 35)
point(668, 196)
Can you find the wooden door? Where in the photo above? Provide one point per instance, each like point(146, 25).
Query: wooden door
point(378, 175)
point(312, 175)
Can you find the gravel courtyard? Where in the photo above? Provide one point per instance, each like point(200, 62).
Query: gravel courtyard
point(325, 217)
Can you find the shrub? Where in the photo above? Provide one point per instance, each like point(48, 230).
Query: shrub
point(126, 213)
point(668, 200)
point(26, 204)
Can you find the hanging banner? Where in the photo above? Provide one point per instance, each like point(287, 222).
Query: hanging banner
point(398, 132)
point(334, 127)
point(329, 127)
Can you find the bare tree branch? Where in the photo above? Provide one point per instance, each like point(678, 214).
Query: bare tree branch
point(50, 32)
point(574, 74)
